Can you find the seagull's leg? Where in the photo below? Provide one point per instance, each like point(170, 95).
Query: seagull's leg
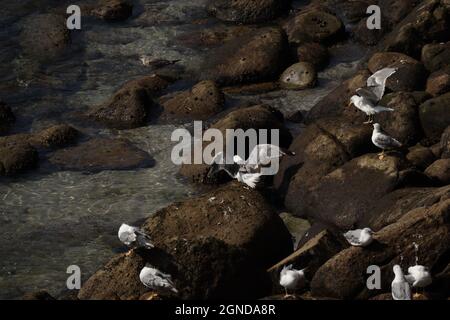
point(129, 252)
point(381, 155)
point(368, 120)
point(371, 118)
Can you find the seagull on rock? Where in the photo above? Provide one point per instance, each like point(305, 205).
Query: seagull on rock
point(400, 287)
point(359, 237)
point(134, 237)
point(418, 276)
point(291, 279)
point(382, 140)
point(367, 98)
point(156, 280)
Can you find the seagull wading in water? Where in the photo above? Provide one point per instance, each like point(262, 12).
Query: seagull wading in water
point(359, 237)
point(400, 287)
point(156, 280)
point(418, 276)
point(134, 237)
point(367, 98)
point(382, 140)
point(291, 279)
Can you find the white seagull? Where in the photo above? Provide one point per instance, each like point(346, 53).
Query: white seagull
point(156, 280)
point(261, 155)
point(418, 276)
point(400, 287)
point(359, 237)
point(382, 140)
point(291, 279)
point(367, 98)
point(134, 237)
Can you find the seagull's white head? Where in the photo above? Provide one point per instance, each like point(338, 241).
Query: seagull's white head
point(377, 127)
point(397, 270)
point(354, 99)
point(368, 230)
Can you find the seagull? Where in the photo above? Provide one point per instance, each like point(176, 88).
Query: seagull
point(291, 278)
point(156, 280)
point(382, 140)
point(400, 287)
point(359, 237)
point(368, 97)
point(261, 155)
point(134, 237)
point(418, 276)
point(148, 61)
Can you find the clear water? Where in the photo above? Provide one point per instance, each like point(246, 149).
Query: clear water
point(50, 220)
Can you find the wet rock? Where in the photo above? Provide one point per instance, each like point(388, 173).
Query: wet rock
point(439, 82)
point(445, 144)
point(101, 154)
point(255, 56)
point(254, 88)
point(7, 118)
point(56, 136)
point(130, 106)
point(313, 25)
point(38, 295)
point(436, 56)
point(410, 75)
point(314, 53)
point(247, 11)
point(367, 36)
point(44, 36)
point(440, 170)
point(113, 10)
point(254, 117)
point(16, 157)
point(201, 102)
point(404, 122)
point(394, 11)
point(208, 244)
point(301, 75)
point(344, 275)
point(311, 255)
point(214, 36)
point(435, 116)
point(420, 156)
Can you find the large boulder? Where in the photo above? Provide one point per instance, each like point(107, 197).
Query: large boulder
point(435, 116)
point(314, 53)
point(130, 106)
point(420, 156)
point(7, 118)
point(247, 11)
point(204, 100)
point(211, 244)
point(436, 56)
point(16, 157)
point(410, 75)
point(440, 170)
point(439, 82)
point(99, 154)
point(255, 56)
point(344, 276)
point(300, 75)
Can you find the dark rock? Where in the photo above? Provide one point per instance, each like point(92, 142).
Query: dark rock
point(404, 122)
point(247, 11)
point(436, 56)
point(445, 144)
point(130, 106)
point(367, 36)
point(420, 156)
point(254, 88)
point(200, 103)
point(16, 157)
point(394, 11)
point(101, 154)
point(113, 10)
point(214, 36)
point(314, 53)
point(254, 117)
point(435, 116)
point(255, 56)
point(7, 118)
point(313, 25)
point(38, 295)
point(301, 75)
point(344, 275)
point(383, 296)
point(44, 36)
point(439, 82)
point(56, 136)
point(296, 117)
point(410, 75)
point(440, 170)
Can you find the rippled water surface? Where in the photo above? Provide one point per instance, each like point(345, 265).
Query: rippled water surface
point(50, 220)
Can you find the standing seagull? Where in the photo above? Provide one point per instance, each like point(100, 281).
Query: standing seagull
point(382, 140)
point(368, 97)
point(134, 237)
point(400, 287)
point(156, 280)
point(359, 237)
point(291, 278)
point(418, 276)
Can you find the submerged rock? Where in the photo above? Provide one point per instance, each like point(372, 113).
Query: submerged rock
point(16, 157)
point(247, 11)
point(56, 136)
point(113, 10)
point(7, 118)
point(100, 154)
point(301, 75)
point(38, 295)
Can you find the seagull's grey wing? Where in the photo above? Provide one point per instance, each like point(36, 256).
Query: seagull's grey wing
point(143, 239)
point(352, 236)
point(368, 93)
point(378, 81)
point(263, 154)
point(154, 281)
point(401, 291)
point(410, 279)
point(251, 179)
point(387, 141)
